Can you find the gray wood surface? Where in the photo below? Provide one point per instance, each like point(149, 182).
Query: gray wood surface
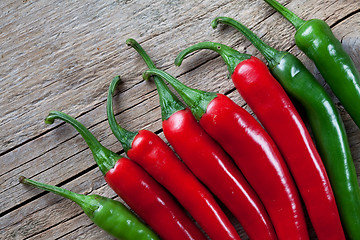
point(62, 55)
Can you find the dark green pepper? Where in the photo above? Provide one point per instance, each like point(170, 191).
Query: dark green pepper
point(325, 121)
point(106, 213)
point(315, 38)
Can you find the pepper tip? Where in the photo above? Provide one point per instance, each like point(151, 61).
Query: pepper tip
point(130, 41)
point(146, 75)
point(50, 118)
point(116, 80)
point(112, 86)
point(215, 22)
point(178, 60)
point(22, 179)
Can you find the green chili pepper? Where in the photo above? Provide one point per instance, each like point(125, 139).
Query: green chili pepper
point(315, 38)
point(106, 213)
point(325, 121)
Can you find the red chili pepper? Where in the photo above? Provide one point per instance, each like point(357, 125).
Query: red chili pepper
point(156, 157)
point(206, 159)
point(274, 109)
point(177, 178)
point(139, 190)
point(257, 156)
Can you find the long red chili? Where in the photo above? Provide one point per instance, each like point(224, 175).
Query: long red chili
point(257, 156)
point(190, 193)
point(156, 157)
point(277, 114)
point(138, 189)
point(207, 160)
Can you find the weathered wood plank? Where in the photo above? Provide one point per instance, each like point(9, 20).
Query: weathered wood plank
point(73, 59)
point(50, 210)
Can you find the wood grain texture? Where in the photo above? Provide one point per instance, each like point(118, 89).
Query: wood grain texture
point(63, 55)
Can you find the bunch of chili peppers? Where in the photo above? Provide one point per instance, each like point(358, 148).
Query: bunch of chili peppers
point(260, 172)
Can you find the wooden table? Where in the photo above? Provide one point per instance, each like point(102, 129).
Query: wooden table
point(62, 55)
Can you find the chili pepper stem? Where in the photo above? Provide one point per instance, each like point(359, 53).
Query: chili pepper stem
point(272, 55)
point(75, 197)
point(104, 158)
point(197, 100)
point(169, 103)
point(290, 16)
point(134, 44)
point(108, 214)
point(124, 136)
point(231, 57)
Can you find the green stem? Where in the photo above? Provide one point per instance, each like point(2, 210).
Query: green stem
point(197, 100)
point(134, 44)
point(169, 103)
point(87, 202)
point(77, 198)
point(272, 55)
point(124, 136)
point(290, 16)
point(231, 57)
point(104, 158)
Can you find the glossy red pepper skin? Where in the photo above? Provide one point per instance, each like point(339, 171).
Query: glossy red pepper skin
point(327, 128)
point(137, 188)
point(270, 103)
point(214, 168)
point(277, 114)
point(157, 158)
point(143, 194)
point(255, 153)
point(299, 151)
point(252, 149)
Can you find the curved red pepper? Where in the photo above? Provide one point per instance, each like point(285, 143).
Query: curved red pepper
point(261, 163)
point(138, 189)
point(156, 157)
point(210, 164)
point(274, 109)
point(146, 197)
point(216, 170)
point(257, 156)
point(207, 160)
point(163, 164)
